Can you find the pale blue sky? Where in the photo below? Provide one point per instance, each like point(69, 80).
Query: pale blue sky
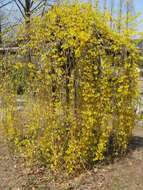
point(138, 5)
point(139, 8)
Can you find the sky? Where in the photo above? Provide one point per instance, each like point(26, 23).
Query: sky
point(138, 5)
point(139, 8)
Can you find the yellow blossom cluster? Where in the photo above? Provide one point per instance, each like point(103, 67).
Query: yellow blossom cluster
point(79, 89)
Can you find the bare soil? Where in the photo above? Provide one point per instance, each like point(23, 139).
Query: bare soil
point(123, 174)
point(11, 178)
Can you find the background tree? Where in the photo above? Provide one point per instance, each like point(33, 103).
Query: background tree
point(105, 6)
point(112, 12)
point(130, 12)
point(120, 15)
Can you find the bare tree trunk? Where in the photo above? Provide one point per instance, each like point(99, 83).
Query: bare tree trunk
point(27, 25)
point(120, 15)
point(112, 9)
point(127, 14)
point(27, 12)
point(105, 7)
point(130, 11)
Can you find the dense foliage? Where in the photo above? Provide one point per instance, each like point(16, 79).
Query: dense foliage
point(79, 81)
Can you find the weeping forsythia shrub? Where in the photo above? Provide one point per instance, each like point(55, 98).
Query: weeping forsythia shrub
point(79, 91)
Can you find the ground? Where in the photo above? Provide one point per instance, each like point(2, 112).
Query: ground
point(124, 174)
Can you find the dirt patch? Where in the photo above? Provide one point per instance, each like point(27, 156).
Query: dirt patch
point(124, 174)
point(11, 177)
